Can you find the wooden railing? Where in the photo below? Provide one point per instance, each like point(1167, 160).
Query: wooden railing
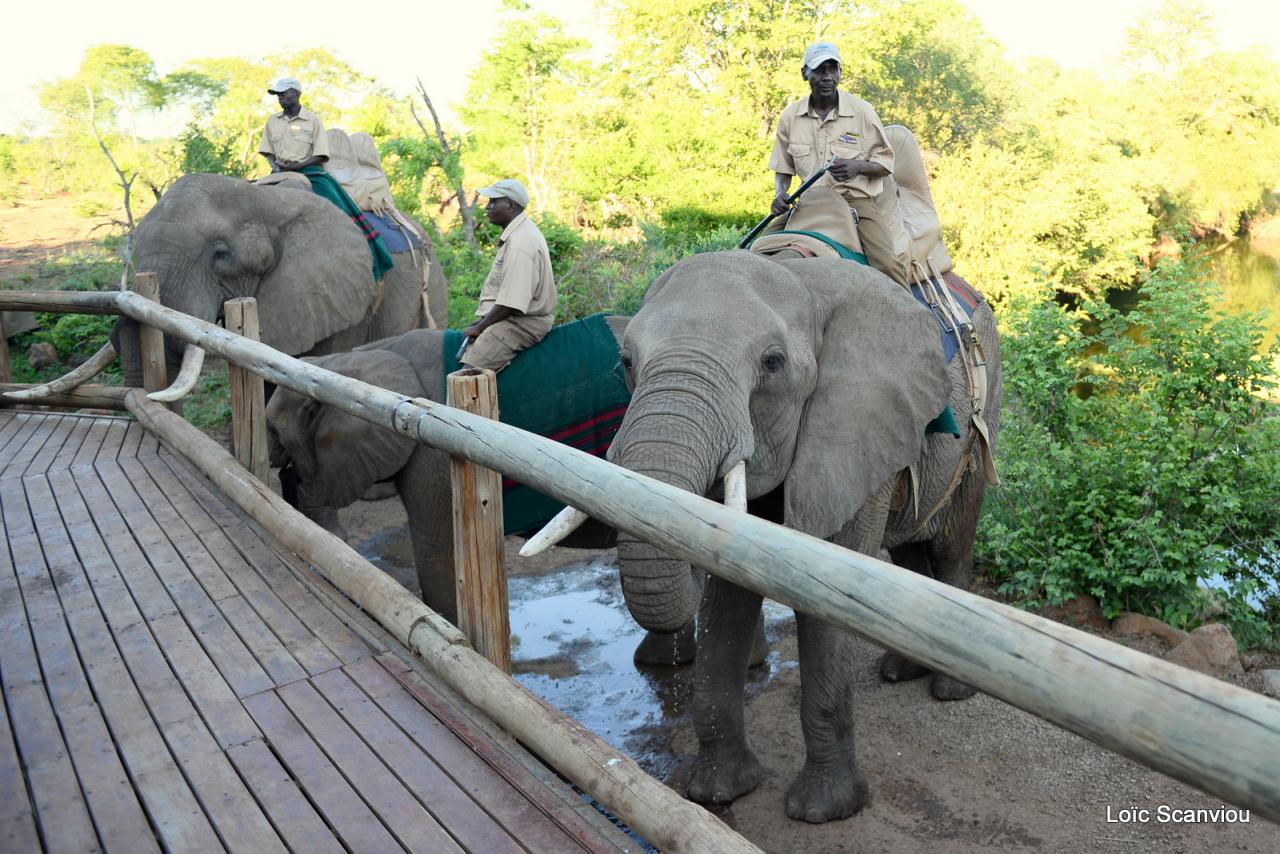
point(1212, 735)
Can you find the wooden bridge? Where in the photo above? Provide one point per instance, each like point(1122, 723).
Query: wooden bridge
point(174, 678)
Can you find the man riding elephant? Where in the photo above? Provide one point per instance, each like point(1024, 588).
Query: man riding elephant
point(832, 128)
point(294, 142)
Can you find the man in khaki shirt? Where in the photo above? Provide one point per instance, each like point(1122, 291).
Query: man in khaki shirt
point(830, 126)
point(294, 137)
point(518, 300)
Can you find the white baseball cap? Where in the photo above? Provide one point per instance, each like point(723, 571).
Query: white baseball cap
point(818, 53)
point(283, 83)
point(507, 188)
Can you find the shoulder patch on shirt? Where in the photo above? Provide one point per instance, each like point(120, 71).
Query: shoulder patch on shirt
point(848, 137)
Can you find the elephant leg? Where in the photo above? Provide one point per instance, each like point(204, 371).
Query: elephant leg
point(830, 786)
point(895, 667)
point(671, 650)
point(295, 492)
point(725, 768)
point(951, 561)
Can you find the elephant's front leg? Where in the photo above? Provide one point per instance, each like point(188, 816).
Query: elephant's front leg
point(725, 768)
point(829, 786)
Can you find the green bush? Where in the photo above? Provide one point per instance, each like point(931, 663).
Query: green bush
point(1161, 478)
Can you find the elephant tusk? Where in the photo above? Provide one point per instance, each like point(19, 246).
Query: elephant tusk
point(70, 380)
point(565, 523)
point(192, 361)
point(735, 487)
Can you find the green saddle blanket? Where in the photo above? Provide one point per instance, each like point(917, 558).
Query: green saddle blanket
point(570, 387)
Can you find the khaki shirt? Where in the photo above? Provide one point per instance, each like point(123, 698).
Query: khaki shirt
point(294, 138)
point(806, 142)
point(521, 276)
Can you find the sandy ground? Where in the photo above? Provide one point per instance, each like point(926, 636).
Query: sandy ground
point(947, 777)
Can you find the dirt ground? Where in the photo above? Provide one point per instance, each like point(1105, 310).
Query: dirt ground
point(978, 775)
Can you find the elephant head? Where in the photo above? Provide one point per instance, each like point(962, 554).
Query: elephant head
point(338, 456)
point(820, 374)
point(211, 238)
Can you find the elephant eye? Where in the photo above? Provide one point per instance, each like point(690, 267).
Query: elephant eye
point(626, 361)
point(773, 362)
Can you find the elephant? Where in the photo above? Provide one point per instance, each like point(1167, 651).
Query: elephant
point(328, 458)
point(211, 238)
point(821, 376)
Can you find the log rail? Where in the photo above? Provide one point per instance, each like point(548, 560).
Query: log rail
point(1214, 736)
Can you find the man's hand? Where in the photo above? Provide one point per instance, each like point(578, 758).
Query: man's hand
point(844, 168)
point(474, 330)
point(780, 205)
point(287, 165)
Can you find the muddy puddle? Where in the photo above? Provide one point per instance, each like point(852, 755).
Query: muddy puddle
point(572, 644)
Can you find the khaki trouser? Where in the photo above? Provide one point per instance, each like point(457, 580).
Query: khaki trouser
point(883, 235)
point(498, 344)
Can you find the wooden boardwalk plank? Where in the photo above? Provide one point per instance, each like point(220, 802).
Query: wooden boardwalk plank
point(62, 430)
point(17, 819)
point(25, 444)
point(342, 807)
point(473, 828)
point(212, 695)
point(54, 786)
point(92, 443)
point(345, 644)
point(72, 446)
point(113, 803)
point(504, 801)
point(12, 422)
point(292, 814)
point(416, 829)
point(234, 812)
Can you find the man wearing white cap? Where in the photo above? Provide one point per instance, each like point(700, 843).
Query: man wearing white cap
point(294, 137)
point(830, 126)
point(518, 299)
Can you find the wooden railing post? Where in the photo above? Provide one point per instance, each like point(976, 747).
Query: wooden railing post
point(5, 375)
point(248, 397)
point(477, 530)
point(155, 375)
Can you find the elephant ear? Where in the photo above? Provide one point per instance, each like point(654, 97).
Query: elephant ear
point(322, 281)
point(350, 453)
point(881, 379)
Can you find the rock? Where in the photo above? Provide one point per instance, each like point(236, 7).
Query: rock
point(1209, 649)
point(1130, 624)
point(1271, 683)
point(1083, 612)
point(42, 355)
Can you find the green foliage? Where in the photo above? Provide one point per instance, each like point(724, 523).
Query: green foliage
point(200, 153)
point(209, 404)
point(1162, 476)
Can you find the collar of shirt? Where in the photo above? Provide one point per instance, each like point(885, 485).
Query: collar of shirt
point(844, 105)
point(303, 113)
point(512, 226)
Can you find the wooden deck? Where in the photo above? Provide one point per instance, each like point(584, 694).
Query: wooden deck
point(173, 679)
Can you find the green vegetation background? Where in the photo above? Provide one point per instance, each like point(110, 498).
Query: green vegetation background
point(1141, 450)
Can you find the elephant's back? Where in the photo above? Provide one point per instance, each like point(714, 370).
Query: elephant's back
point(423, 349)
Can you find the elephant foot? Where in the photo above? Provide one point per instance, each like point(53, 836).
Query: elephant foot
point(381, 490)
point(759, 646)
point(327, 518)
point(666, 650)
point(721, 777)
point(944, 688)
point(827, 793)
point(898, 668)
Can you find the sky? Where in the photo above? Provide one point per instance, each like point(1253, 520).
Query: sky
point(441, 40)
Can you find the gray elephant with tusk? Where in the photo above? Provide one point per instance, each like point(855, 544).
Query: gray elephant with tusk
point(822, 375)
point(211, 238)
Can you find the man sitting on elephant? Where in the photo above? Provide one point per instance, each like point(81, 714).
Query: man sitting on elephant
point(294, 142)
point(518, 300)
point(833, 127)
point(293, 138)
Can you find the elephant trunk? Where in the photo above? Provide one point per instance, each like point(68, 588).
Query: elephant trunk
point(660, 591)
